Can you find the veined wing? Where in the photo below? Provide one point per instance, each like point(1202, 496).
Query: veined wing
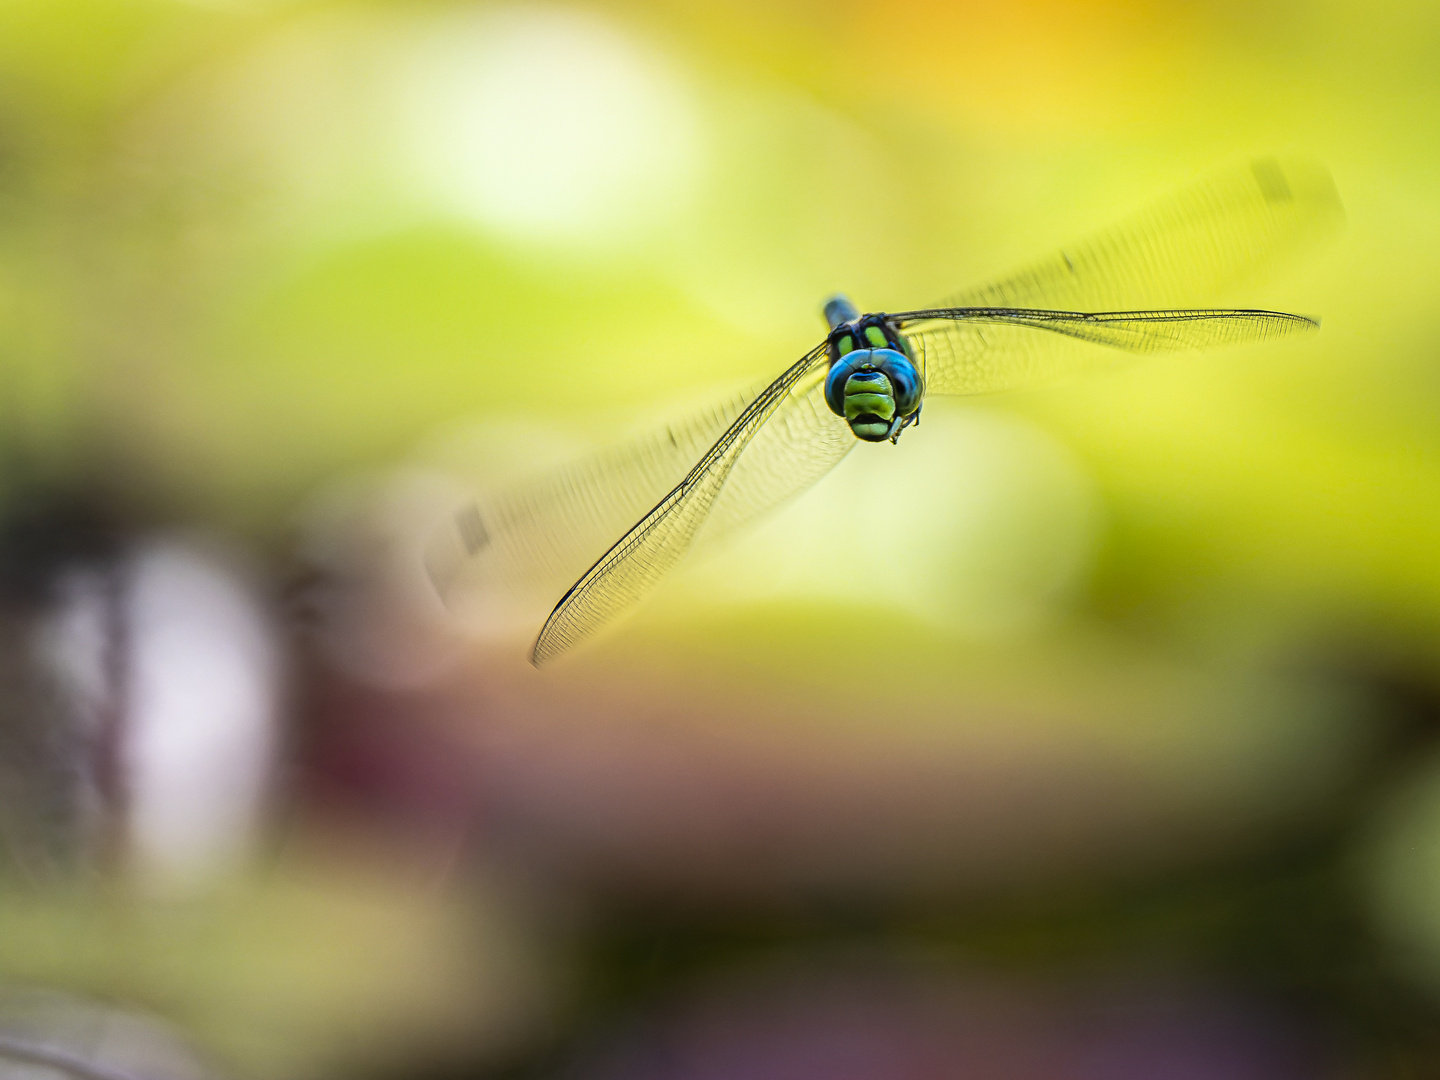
point(652, 547)
point(1184, 249)
point(522, 544)
point(802, 441)
point(981, 350)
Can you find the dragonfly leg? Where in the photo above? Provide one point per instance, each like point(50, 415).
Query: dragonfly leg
point(899, 424)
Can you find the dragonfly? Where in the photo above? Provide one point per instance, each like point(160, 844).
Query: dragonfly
point(867, 382)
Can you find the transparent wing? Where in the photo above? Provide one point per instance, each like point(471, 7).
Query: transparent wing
point(1183, 250)
point(802, 441)
point(981, 350)
point(796, 452)
point(520, 546)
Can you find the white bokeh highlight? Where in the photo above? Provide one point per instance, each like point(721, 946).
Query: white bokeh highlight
point(543, 123)
point(978, 521)
point(201, 713)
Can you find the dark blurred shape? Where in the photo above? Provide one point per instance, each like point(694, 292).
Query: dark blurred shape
point(855, 1025)
point(45, 532)
point(374, 758)
point(52, 767)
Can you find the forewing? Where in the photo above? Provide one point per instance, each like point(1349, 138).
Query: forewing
point(1182, 250)
point(802, 441)
point(518, 547)
point(982, 350)
point(651, 548)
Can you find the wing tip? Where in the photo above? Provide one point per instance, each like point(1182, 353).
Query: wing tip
point(547, 645)
point(1292, 322)
point(546, 648)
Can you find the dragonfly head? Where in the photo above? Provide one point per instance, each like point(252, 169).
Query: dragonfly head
point(877, 390)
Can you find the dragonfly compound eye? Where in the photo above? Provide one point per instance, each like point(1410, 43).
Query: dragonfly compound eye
point(905, 381)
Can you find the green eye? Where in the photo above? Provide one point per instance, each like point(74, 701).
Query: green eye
point(876, 336)
point(845, 345)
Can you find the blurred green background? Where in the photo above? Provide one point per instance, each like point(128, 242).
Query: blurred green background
point(1150, 658)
